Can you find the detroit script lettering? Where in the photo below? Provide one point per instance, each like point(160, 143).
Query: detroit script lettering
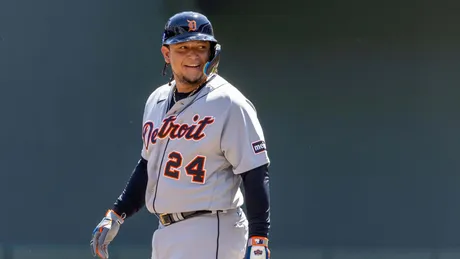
point(172, 130)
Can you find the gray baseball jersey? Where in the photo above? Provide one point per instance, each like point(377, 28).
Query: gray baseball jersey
point(196, 150)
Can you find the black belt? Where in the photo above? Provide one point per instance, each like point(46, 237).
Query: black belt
point(170, 218)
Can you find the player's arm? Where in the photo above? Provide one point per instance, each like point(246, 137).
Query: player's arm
point(243, 145)
point(129, 202)
point(257, 199)
point(132, 199)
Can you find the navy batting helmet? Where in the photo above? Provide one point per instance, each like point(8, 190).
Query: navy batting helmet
point(188, 26)
point(191, 26)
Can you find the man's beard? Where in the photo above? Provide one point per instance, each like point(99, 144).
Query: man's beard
point(188, 81)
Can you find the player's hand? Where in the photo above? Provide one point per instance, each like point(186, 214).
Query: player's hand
point(104, 233)
point(257, 248)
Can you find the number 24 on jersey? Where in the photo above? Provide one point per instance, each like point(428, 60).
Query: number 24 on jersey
point(194, 169)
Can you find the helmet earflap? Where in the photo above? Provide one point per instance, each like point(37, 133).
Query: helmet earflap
point(211, 66)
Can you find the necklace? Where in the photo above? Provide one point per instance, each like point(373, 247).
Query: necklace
point(190, 94)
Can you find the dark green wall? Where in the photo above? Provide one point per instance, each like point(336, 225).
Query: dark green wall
point(359, 101)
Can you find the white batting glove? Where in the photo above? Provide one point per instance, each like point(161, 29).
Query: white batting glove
point(257, 248)
point(104, 233)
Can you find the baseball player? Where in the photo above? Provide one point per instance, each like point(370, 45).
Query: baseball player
point(201, 141)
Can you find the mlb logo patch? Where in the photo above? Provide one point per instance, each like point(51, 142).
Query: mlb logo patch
point(259, 146)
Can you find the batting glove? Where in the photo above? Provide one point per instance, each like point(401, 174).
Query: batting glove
point(104, 233)
point(257, 248)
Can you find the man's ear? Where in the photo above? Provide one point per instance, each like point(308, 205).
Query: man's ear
point(165, 51)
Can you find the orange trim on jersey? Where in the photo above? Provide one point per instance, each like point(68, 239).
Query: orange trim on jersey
point(147, 130)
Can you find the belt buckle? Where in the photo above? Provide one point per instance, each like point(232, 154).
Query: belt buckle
point(165, 219)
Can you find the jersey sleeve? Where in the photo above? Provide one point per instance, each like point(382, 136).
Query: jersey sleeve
point(145, 141)
point(144, 154)
point(243, 141)
point(144, 151)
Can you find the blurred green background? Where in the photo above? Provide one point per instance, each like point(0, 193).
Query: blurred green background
point(359, 101)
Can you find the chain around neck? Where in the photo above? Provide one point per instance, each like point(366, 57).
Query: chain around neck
point(190, 94)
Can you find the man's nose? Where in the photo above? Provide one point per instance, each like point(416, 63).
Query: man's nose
point(193, 53)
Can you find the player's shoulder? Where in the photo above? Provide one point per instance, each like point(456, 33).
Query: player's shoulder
point(231, 94)
point(159, 93)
